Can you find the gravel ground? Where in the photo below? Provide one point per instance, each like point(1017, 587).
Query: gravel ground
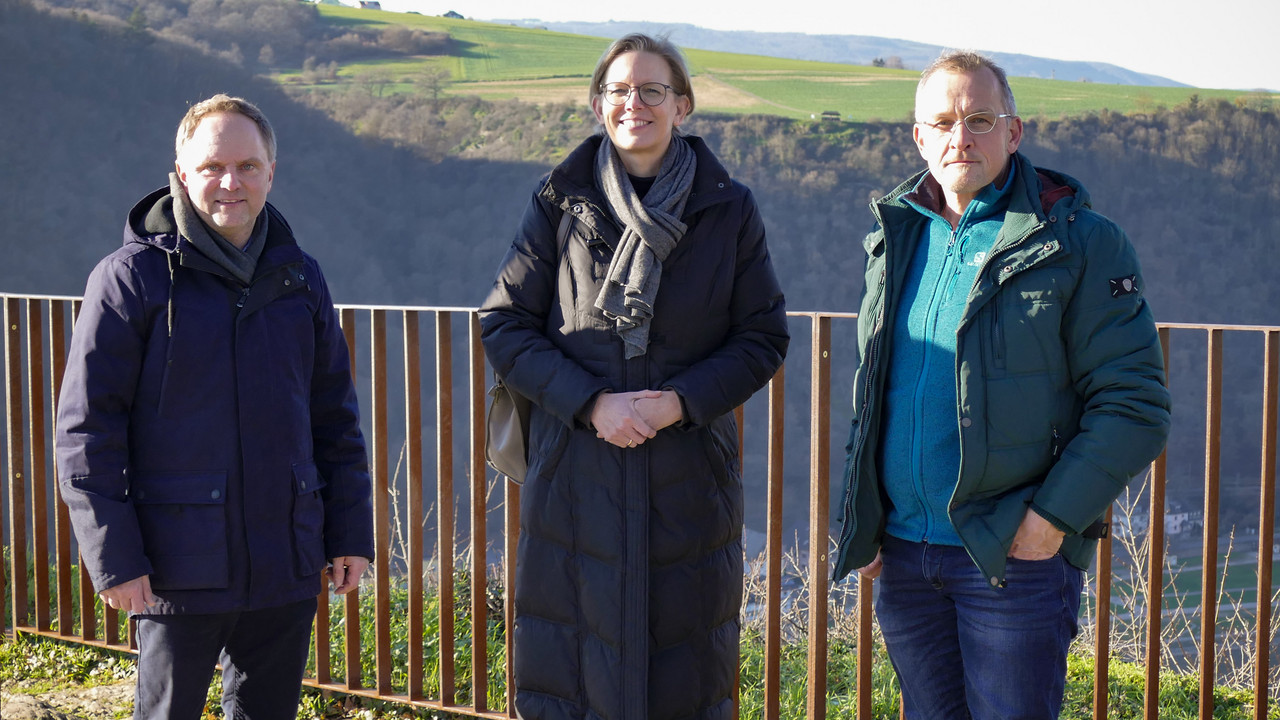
point(102, 702)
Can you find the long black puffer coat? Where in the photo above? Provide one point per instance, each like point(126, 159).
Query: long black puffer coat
point(629, 569)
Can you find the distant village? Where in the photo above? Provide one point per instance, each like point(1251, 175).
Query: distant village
point(375, 5)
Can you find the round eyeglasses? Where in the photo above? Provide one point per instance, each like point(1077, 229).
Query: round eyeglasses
point(979, 123)
point(651, 93)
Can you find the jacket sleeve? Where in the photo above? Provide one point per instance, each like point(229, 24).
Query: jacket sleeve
point(339, 447)
point(1117, 369)
point(513, 322)
point(92, 436)
point(758, 336)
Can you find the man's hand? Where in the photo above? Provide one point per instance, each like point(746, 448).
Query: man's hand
point(1037, 538)
point(872, 570)
point(345, 573)
point(618, 421)
point(133, 596)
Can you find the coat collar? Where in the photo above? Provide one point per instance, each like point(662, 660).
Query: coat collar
point(573, 180)
point(280, 249)
point(1038, 195)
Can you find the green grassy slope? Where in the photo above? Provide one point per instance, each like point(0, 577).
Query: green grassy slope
point(501, 61)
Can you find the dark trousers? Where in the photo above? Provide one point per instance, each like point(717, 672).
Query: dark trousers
point(263, 655)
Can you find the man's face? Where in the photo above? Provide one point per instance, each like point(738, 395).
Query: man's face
point(227, 173)
point(961, 161)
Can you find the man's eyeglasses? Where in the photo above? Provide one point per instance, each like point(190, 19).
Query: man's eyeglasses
point(651, 93)
point(979, 123)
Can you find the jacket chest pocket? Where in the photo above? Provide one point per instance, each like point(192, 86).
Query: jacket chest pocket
point(1023, 327)
point(184, 528)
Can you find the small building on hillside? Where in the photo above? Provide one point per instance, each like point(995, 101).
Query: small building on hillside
point(453, 15)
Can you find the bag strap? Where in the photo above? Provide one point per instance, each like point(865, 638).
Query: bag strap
point(562, 232)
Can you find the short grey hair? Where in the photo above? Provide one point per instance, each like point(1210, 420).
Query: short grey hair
point(968, 61)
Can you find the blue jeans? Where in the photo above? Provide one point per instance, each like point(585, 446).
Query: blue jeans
point(263, 655)
point(965, 650)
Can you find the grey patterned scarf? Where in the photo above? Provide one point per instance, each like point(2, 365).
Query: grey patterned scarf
point(651, 230)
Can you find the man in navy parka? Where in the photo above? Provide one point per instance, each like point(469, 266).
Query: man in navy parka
point(208, 438)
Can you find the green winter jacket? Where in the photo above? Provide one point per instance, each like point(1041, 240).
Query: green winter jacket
point(1059, 374)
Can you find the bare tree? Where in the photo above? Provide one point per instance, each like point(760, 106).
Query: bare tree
point(432, 81)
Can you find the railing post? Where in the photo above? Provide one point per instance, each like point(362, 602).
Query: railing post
point(413, 485)
point(1209, 575)
point(479, 526)
point(773, 541)
point(1266, 525)
point(351, 603)
point(1102, 640)
point(819, 512)
point(62, 519)
point(1155, 568)
point(866, 587)
point(88, 610)
point(444, 502)
point(37, 476)
point(378, 457)
point(511, 525)
point(15, 464)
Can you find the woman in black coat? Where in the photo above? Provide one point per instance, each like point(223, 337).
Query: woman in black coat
point(636, 308)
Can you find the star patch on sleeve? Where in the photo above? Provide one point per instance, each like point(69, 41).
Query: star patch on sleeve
point(1126, 285)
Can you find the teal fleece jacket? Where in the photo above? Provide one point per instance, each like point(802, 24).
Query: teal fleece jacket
point(920, 455)
point(1060, 385)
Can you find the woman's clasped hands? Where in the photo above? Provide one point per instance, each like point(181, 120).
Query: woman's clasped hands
point(628, 419)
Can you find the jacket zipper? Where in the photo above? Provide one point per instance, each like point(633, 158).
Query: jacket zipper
point(942, 288)
point(855, 454)
point(997, 335)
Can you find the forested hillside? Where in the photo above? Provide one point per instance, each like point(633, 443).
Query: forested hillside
point(92, 131)
point(413, 200)
point(1191, 184)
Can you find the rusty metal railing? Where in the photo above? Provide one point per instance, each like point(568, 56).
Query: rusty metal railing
point(443, 556)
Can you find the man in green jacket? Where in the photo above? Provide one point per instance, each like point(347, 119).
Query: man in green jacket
point(1010, 384)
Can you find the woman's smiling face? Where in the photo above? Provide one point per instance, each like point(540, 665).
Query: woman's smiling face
point(641, 133)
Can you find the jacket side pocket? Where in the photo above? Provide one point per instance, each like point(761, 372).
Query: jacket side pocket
point(183, 521)
point(308, 520)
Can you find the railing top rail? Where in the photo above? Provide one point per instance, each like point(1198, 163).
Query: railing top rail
point(790, 313)
point(409, 308)
point(822, 313)
point(32, 296)
point(1218, 326)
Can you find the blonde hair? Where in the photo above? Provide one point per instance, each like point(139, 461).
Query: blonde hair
point(639, 42)
point(222, 103)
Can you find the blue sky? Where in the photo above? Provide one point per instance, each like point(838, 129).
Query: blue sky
point(1215, 44)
